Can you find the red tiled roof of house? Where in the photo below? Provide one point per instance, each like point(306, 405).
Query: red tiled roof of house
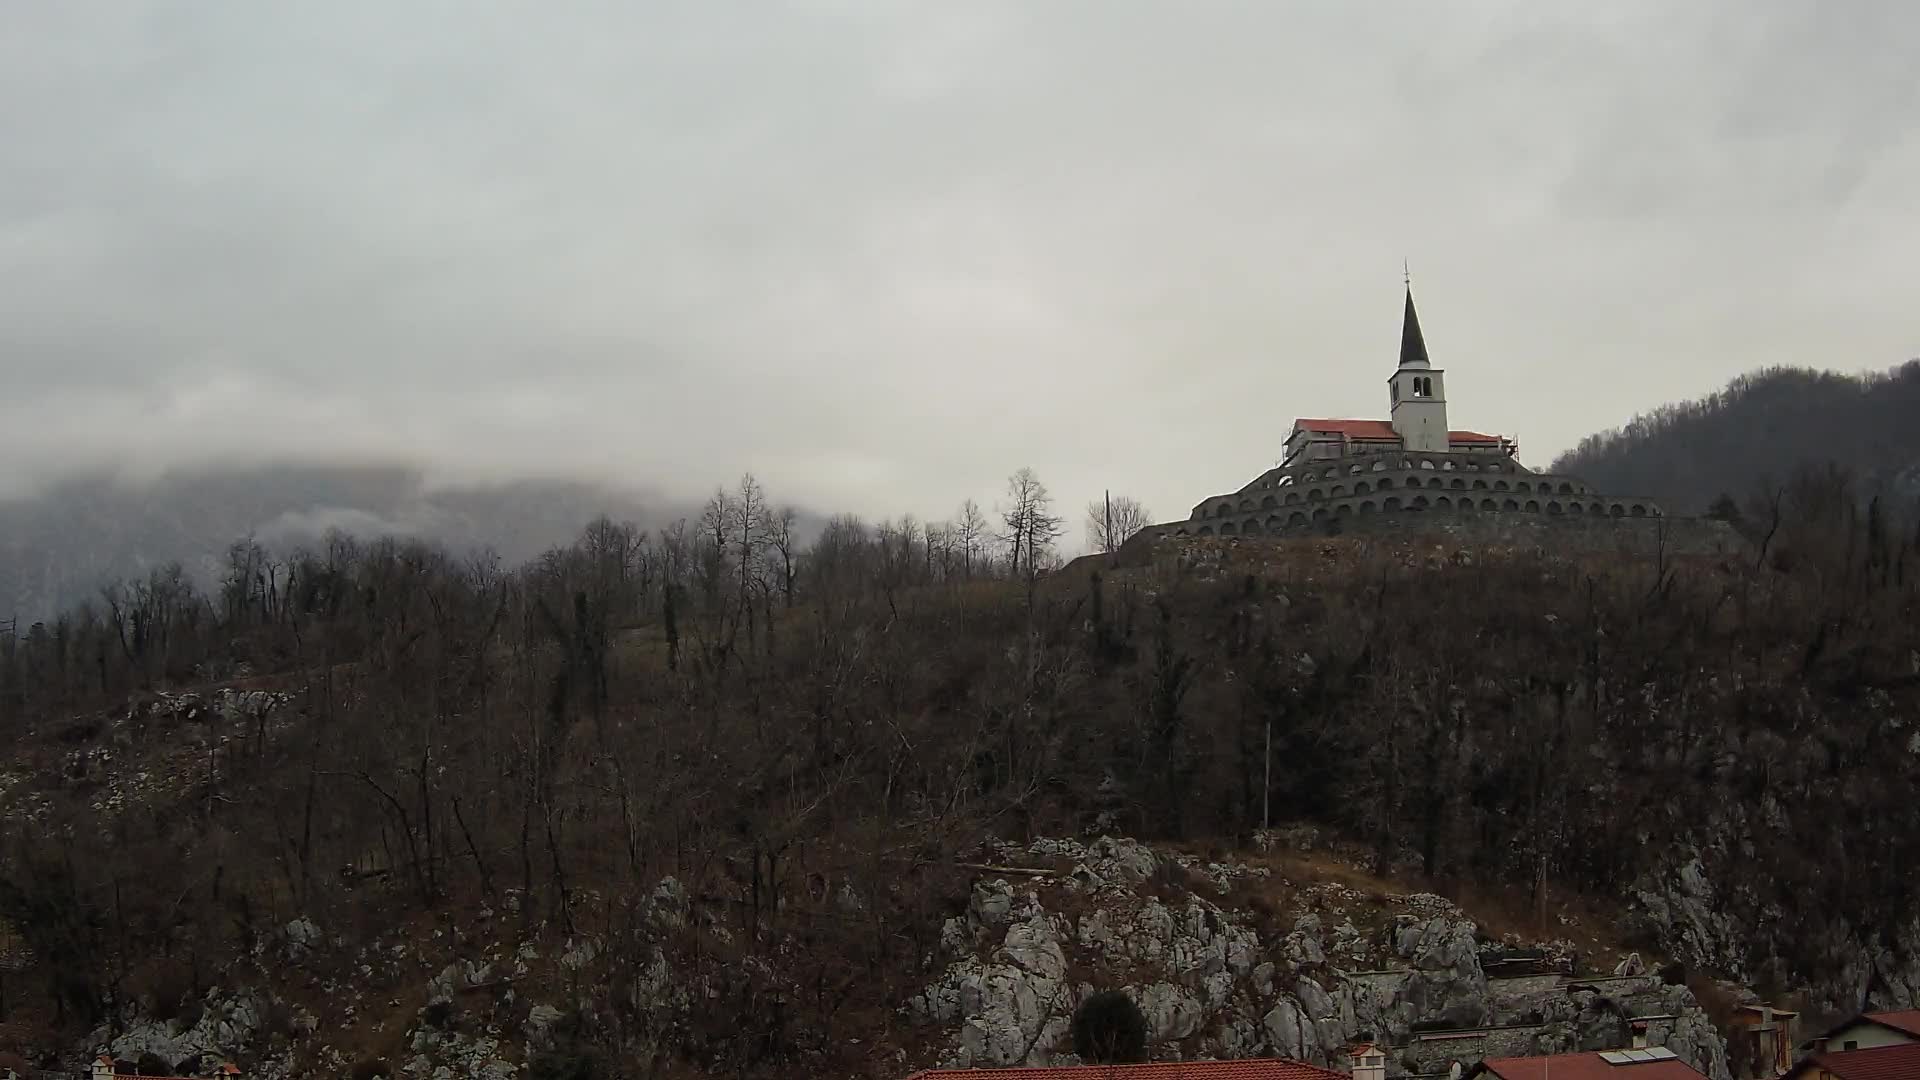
point(1379, 429)
point(1248, 1069)
point(1900, 1062)
point(1590, 1066)
point(1907, 1020)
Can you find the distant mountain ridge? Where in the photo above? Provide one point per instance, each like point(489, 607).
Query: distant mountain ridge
point(1763, 425)
point(59, 546)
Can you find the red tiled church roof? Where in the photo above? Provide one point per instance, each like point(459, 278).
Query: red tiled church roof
point(1900, 1062)
point(1589, 1066)
point(1250, 1069)
point(1352, 429)
point(1380, 429)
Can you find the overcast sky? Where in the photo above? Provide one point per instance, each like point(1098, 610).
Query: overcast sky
point(881, 254)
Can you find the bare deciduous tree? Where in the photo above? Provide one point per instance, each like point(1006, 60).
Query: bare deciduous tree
point(1029, 525)
point(970, 533)
point(783, 550)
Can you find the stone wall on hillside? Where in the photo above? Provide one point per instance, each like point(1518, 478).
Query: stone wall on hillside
point(1633, 536)
point(1594, 535)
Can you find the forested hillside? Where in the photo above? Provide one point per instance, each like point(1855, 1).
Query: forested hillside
point(1760, 430)
point(731, 782)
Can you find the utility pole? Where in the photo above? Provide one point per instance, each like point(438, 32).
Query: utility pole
point(1266, 785)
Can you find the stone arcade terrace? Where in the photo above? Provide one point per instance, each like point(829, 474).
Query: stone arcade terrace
point(1302, 497)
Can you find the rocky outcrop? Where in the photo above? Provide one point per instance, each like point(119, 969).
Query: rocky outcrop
point(1734, 932)
point(1211, 983)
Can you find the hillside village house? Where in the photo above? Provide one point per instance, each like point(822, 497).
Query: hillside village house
point(1248, 1069)
point(1870, 1030)
point(1650, 1063)
point(105, 1068)
point(1899, 1061)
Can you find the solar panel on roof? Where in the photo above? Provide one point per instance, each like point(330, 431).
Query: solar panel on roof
point(1638, 1057)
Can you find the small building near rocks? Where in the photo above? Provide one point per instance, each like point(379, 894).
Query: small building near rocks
point(1870, 1030)
point(1760, 1041)
point(1651, 1063)
point(1899, 1061)
point(1245, 1069)
point(106, 1068)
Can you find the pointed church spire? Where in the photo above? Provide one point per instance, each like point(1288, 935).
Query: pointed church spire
point(1413, 347)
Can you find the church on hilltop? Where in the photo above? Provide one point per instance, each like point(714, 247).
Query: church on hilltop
point(1337, 475)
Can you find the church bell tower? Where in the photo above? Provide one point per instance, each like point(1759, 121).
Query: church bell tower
point(1419, 391)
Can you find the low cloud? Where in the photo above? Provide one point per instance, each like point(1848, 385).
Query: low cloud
point(881, 258)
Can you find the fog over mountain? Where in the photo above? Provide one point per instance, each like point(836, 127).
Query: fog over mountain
point(59, 546)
